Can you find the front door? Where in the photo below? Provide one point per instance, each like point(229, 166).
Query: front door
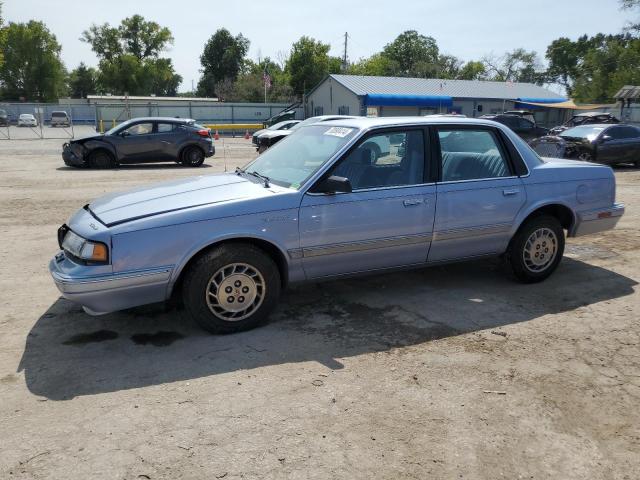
point(618, 144)
point(386, 221)
point(478, 196)
point(137, 144)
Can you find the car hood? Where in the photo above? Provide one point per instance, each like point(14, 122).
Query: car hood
point(118, 208)
point(275, 133)
point(98, 136)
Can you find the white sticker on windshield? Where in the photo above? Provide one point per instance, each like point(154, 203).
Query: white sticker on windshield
point(339, 131)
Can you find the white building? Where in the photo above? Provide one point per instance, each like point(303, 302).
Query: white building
point(400, 96)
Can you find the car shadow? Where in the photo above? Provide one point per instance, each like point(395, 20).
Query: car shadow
point(70, 354)
point(137, 166)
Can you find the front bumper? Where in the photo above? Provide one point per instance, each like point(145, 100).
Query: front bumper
point(594, 221)
point(73, 157)
point(108, 292)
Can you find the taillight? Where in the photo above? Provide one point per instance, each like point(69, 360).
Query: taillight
point(204, 132)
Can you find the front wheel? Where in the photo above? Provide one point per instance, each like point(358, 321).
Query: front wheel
point(231, 288)
point(101, 159)
point(536, 249)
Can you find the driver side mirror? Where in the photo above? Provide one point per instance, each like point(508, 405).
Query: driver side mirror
point(605, 138)
point(125, 133)
point(332, 185)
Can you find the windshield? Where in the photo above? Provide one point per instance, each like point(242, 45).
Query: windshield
point(584, 131)
point(291, 161)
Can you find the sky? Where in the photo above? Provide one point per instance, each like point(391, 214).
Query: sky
point(468, 29)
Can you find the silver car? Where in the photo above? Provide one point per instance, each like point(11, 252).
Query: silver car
point(27, 120)
point(319, 204)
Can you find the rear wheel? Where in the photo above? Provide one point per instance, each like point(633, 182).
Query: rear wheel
point(232, 288)
point(192, 157)
point(101, 159)
point(536, 249)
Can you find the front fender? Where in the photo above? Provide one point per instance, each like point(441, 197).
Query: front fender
point(92, 145)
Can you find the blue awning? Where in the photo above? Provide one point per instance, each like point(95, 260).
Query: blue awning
point(524, 102)
point(389, 100)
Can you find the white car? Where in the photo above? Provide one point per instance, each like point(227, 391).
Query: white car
point(27, 120)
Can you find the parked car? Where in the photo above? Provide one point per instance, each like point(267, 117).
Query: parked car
point(286, 125)
point(270, 138)
point(585, 118)
point(4, 118)
point(526, 129)
point(27, 120)
point(60, 119)
point(526, 114)
point(143, 140)
point(316, 206)
point(604, 143)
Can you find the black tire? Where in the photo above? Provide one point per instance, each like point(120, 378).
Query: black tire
point(527, 268)
point(101, 159)
point(192, 157)
point(208, 311)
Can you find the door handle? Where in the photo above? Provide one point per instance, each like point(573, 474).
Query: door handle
point(412, 202)
point(513, 191)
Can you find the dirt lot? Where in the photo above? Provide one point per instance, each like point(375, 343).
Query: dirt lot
point(448, 372)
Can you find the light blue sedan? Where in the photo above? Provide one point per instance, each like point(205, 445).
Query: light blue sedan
point(323, 203)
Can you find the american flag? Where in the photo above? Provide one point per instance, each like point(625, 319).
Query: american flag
point(266, 79)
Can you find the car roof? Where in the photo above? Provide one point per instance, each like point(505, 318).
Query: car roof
point(163, 119)
point(369, 122)
point(591, 114)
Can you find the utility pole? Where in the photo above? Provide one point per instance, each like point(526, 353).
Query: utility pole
point(344, 57)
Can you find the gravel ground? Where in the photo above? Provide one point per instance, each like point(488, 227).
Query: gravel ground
point(447, 372)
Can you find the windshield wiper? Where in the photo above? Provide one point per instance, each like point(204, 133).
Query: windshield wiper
point(265, 179)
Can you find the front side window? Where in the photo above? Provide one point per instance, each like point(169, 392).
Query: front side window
point(621, 133)
point(469, 154)
point(385, 160)
point(140, 129)
point(294, 159)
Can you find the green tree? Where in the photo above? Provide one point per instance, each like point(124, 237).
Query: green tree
point(518, 65)
point(82, 81)
point(222, 58)
point(472, 71)
point(32, 67)
point(413, 55)
point(308, 63)
point(377, 65)
point(130, 59)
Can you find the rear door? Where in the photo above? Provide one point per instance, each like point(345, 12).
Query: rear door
point(478, 194)
point(168, 136)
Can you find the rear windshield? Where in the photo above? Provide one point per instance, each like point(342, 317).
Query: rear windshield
point(59, 114)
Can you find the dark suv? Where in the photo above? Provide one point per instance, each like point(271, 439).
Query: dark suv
point(526, 129)
point(143, 140)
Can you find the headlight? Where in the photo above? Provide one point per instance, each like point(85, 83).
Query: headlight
point(84, 249)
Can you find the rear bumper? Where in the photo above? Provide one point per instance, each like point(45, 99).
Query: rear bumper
point(594, 221)
point(104, 293)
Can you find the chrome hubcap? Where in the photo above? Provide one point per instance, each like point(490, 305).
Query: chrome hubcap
point(540, 249)
point(235, 292)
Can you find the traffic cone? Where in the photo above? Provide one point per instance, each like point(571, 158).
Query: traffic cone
point(217, 135)
point(246, 135)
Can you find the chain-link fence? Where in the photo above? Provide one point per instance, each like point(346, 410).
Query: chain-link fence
point(103, 116)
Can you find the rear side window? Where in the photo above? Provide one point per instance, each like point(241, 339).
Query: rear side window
point(166, 127)
point(469, 154)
